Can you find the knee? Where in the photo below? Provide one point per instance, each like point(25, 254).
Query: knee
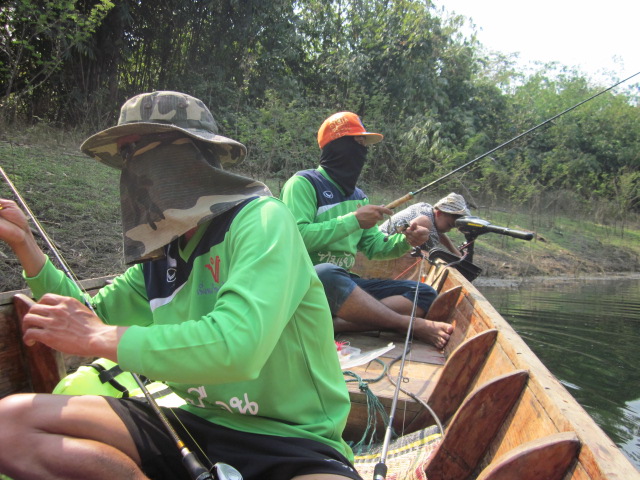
point(426, 296)
point(13, 417)
point(328, 273)
point(337, 284)
point(13, 408)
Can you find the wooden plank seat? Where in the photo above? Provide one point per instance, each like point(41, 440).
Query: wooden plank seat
point(456, 377)
point(424, 454)
point(548, 458)
point(474, 426)
point(443, 305)
point(443, 388)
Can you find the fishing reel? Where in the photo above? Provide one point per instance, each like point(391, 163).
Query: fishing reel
point(226, 472)
point(221, 471)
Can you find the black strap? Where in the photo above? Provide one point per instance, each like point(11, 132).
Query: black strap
point(108, 376)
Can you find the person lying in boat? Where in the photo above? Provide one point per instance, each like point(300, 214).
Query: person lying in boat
point(336, 221)
point(222, 303)
point(438, 219)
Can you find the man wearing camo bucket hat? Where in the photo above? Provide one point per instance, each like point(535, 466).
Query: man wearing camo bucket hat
point(222, 304)
point(170, 153)
point(439, 219)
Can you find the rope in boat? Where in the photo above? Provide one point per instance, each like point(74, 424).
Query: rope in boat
point(414, 396)
point(374, 408)
point(401, 274)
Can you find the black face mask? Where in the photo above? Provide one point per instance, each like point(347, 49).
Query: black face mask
point(343, 159)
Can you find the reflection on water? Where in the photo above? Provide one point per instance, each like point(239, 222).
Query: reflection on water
point(588, 335)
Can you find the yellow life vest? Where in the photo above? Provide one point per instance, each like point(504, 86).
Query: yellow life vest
point(106, 378)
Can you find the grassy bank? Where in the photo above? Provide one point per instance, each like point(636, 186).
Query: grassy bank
point(76, 201)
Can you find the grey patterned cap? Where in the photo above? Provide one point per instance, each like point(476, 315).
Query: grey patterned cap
point(158, 112)
point(454, 204)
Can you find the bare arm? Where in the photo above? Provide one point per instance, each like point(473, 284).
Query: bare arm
point(416, 234)
point(66, 325)
point(446, 241)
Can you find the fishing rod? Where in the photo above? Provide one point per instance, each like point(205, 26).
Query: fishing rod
point(197, 471)
point(404, 199)
point(380, 470)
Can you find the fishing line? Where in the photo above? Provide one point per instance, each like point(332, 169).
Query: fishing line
point(410, 195)
point(65, 267)
point(424, 404)
point(380, 470)
point(191, 463)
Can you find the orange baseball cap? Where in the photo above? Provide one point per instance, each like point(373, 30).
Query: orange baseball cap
point(343, 124)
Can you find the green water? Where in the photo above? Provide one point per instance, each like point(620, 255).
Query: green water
point(587, 333)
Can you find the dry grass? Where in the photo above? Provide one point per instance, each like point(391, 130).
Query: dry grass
point(76, 201)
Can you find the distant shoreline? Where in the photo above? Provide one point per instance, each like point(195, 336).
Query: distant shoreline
point(514, 282)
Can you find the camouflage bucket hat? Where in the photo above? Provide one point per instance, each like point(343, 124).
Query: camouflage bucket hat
point(167, 188)
point(158, 112)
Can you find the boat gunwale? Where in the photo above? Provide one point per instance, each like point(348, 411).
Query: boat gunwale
point(599, 457)
point(598, 450)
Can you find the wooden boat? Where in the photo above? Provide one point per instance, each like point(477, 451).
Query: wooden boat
point(504, 415)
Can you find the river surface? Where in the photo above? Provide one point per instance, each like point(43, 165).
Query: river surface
point(587, 333)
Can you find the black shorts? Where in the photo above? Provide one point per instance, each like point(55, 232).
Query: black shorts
point(264, 457)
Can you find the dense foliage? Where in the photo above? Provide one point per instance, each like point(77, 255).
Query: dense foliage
point(272, 71)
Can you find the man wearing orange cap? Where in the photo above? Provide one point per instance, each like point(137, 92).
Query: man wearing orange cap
point(336, 221)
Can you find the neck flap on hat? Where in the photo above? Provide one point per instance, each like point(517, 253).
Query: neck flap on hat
point(167, 191)
point(343, 159)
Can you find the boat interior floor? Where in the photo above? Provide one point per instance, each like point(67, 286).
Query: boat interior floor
point(422, 369)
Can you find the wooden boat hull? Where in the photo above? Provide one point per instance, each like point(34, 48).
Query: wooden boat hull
point(541, 411)
point(504, 414)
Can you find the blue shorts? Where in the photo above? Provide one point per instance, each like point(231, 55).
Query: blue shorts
point(338, 285)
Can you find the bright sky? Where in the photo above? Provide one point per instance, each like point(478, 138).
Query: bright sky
point(596, 37)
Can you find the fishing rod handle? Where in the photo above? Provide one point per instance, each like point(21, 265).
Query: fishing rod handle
point(194, 467)
point(379, 471)
point(399, 201)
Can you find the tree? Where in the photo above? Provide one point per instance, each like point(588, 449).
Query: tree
point(37, 36)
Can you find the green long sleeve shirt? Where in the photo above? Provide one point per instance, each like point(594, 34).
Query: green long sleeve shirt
point(327, 222)
point(236, 323)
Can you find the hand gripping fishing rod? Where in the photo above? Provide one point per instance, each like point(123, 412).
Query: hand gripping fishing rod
point(404, 199)
point(197, 471)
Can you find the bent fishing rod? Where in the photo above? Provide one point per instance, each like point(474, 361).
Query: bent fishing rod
point(197, 471)
point(380, 469)
point(404, 199)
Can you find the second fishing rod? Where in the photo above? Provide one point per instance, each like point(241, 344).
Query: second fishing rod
point(405, 198)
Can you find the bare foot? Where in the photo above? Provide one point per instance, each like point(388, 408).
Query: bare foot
point(435, 333)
